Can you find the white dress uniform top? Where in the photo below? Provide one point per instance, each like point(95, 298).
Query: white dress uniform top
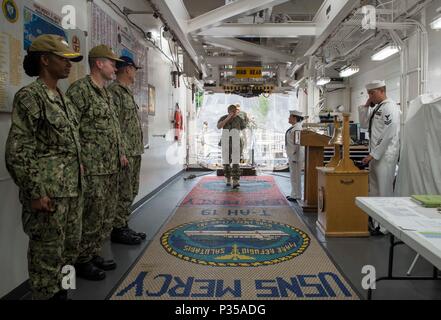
point(295, 154)
point(383, 122)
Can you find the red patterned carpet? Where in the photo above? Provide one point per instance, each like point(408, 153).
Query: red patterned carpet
point(253, 192)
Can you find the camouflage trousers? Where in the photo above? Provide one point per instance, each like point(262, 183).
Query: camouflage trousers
point(128, 190)
point(54, 240)
point(100, 201)
point(232, 173)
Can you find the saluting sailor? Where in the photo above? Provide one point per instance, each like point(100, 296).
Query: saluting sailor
point(381, 116)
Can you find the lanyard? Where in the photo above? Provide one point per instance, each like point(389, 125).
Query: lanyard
point(286, 135)
point(372, 118)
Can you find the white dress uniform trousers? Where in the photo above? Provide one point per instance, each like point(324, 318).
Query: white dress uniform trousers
point(295, 155)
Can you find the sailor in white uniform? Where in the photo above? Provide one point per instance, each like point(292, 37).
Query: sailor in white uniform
point(295, 154)
point(382, 117)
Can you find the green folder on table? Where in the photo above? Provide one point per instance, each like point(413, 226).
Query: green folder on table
point(428, 201)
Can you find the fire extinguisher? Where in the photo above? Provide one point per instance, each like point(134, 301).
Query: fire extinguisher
point(178, 123)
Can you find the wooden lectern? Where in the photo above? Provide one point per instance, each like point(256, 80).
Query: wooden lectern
point(338, 186)
point(314, 144)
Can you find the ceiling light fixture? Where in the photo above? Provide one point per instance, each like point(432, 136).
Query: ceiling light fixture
point(385, 53)
point(154, 34)
point(436, 23)
point(321, 81)
point(349, 71)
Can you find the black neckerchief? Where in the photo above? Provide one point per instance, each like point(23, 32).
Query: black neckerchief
point(286, 135)
point(372, 117)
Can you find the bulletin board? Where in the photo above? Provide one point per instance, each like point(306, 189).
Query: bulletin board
point(124, 41)
point(24, 20)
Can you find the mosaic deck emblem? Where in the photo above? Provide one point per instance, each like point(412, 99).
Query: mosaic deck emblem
point(253, 192)
point(245, 244)
point(235, 242)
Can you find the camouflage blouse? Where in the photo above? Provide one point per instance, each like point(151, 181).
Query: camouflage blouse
point(43, 146)
point(129, 122)
point(100, 133)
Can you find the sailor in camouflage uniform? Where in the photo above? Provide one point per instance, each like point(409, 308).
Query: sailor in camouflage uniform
point(102, 155)
point(43, 157)
point(127, 111)
point(230, 122)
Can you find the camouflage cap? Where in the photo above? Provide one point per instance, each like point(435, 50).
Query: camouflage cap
point(54, 44)
point(103, 51)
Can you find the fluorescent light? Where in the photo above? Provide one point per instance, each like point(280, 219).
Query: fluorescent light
point(323, 80)
point(155, 34)
point(436, 23)
point(349, 71)
point(385, 53)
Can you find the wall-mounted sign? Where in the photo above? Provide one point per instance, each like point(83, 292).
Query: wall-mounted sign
point(248, 72)
point(76, 44)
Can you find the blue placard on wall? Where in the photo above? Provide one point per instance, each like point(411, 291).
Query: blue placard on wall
point(35, 25)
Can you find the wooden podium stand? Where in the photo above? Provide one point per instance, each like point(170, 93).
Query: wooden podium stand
point(338, 216)
point(338, 186)
point(314, 144)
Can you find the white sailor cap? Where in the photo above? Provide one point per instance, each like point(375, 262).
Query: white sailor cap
point(296, 113)
point(376, 84)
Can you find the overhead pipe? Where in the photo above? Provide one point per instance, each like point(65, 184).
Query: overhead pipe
point(382, 25)
point(423, 54)
point(404, 77)
point(344, 56)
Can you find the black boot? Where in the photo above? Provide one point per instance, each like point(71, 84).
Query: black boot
point(142, 235)
point(106, 265)
point(89, 271)
point(124, 236)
